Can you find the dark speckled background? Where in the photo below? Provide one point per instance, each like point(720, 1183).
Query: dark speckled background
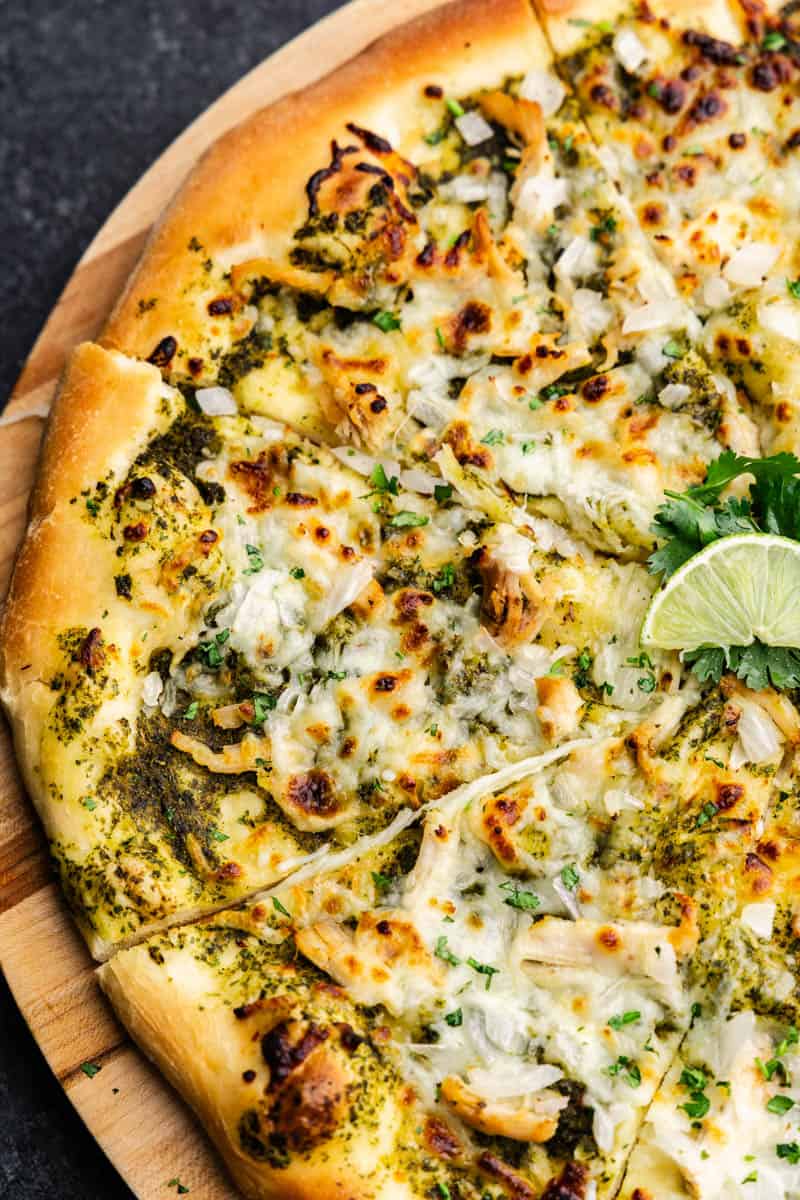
point(91, 91)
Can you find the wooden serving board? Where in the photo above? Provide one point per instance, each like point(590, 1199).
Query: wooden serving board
point(146, 1131)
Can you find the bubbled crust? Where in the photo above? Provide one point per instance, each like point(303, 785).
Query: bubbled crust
point(290, 1072)
point(247, 195)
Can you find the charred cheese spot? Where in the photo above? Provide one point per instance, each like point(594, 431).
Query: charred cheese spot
point(259, 477)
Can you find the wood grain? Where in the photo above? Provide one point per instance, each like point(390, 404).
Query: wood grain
point(138, 1120)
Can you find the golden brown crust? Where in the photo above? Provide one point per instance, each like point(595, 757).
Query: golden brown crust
point(289, 1086)
point(63, 573)
point(266, 162)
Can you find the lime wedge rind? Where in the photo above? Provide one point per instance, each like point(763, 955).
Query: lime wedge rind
point(734, 591)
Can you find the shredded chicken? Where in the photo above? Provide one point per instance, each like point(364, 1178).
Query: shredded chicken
point(522, 1122)
point(632, 948)
point(560, 707)
point(514, 605)
point(230, 760)
point(383, 962)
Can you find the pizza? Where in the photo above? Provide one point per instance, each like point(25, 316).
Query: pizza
point(417, 874)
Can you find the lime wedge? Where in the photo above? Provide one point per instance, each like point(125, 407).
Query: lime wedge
point(737, 589)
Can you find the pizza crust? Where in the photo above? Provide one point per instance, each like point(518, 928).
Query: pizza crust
point(267, 160)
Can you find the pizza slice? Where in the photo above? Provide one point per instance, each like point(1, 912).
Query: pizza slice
point(459, 273)
point(513, 1046)
point(695, 113)
point(724, 1123)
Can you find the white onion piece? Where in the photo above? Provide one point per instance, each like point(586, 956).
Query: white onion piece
point(749, 266)
point(579, 258)
point(347, 585)
point(716, 291)
point(674, 395)
point(629, 49)
point(760, 917)
point(216, 402)
point(364, 464)
point(541, 195)
point(152, 688)
point(659, 314)
point(419, 481)
point(735, 1035)
point(514, 1080)
point(545, 88)
point(466, 189)
point(617, 800)
point(566, 897)
point(781, 317)
point(760, 740)
point(474, 128)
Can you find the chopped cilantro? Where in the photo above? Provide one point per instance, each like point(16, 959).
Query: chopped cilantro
point(445, 578)
point(773, 41)
point(780, 1104)
point(381, 482)
point(517, 898)
point(297, 573)
point(673, 349)
point(570, 877)
point(442, 492)
point(254, 559)
point(533, 404)
point(626, 1018)
point(444, 953)
point(494, 437)
point(454, 107)
point(191, 711)
point(90, 1069)
point(382, 882)
point(454, 1018)
point(405, 520)
point(90, 804)
point(793, 288)
point(790, 1151)
point(627, 1068)
point(483, 969)
point(263, 703)
point(440, 338)
point(276, 904)
point(218, 835)
point(386, 321)
point(93, 506)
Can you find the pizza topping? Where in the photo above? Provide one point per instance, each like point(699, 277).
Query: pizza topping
point(216, 401)
point(521, 1123)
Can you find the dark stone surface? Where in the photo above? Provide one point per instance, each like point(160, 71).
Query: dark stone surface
point(91, 91)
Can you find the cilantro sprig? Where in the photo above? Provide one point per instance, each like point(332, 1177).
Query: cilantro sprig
point(688, 521)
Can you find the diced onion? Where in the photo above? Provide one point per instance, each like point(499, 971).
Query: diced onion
point(760, 740)
point(474, 128)
point(760, 917)
point(749, 266)
point(781, 317)
point(659, 314)
point(567, 898)
point(419, 481)
point(515, 1080)
point(364, 464)
point(579, 258)
point(152, 688)
point(216, 402)
point(466, 189)
point(545, 88)
point(347, 585)
point(716, 292)
point(617, 800)
point(629, 49)
point(674, 395)
point(735, 1035)
point(541, 195)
